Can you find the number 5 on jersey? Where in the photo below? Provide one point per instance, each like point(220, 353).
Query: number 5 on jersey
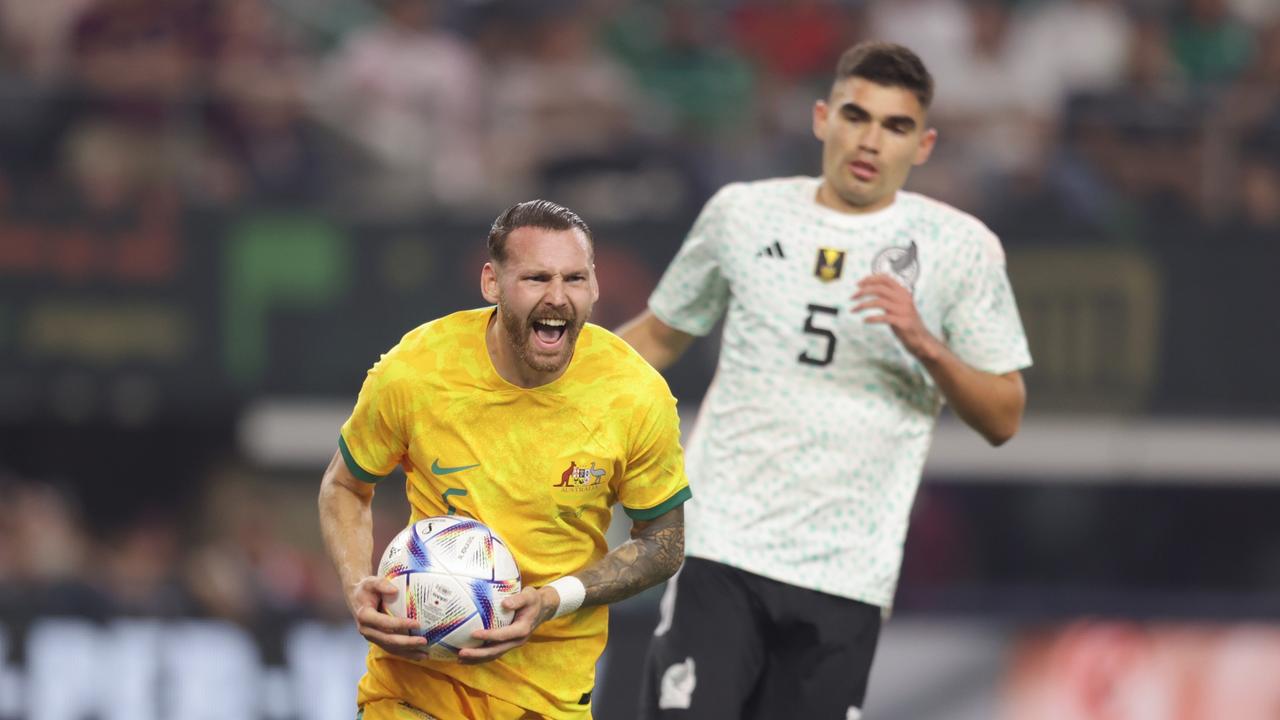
point(828, 337)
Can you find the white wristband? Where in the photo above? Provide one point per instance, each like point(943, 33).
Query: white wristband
point(572, 592)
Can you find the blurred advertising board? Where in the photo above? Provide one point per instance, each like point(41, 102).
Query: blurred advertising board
point(926, 669)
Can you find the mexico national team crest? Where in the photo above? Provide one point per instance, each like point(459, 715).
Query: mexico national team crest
point(576, 477)
point(900, 263)
point(830, 264)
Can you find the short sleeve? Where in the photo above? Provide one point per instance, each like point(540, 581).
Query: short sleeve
point(693, 293)
point(372, 440)
point(654, 481)
point(982, 327)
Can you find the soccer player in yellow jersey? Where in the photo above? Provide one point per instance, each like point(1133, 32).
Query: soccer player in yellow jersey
point(534, 422)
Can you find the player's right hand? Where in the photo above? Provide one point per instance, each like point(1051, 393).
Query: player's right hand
point(387, 632)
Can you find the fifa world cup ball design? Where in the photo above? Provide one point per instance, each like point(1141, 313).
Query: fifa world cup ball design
point(452, 574)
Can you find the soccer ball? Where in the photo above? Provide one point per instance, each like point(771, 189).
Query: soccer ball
point(452, 574)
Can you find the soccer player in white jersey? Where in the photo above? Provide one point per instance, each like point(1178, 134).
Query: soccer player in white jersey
point(854, 310)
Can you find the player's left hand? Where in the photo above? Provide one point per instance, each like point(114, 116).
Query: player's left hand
point(533, 606)
point(882, 292)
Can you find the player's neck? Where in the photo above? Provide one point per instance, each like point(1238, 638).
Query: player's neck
point(508, 363)
point(828, 198)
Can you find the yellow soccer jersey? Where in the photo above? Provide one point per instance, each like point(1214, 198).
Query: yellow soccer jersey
point(540, 466)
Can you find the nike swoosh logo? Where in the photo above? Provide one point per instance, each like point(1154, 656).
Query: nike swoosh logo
point(437, 470)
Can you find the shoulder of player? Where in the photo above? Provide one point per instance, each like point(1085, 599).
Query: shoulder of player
point(423, 344)
point(958, 227)
point(749, 194)
point(739, 210)
point(619, 361)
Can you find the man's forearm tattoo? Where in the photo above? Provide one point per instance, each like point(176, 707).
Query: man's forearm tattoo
point(643, 561)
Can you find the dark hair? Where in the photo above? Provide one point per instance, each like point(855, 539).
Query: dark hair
point(533, 213)
point(887, 64)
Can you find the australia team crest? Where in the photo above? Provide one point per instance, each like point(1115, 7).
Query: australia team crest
point(575, 477)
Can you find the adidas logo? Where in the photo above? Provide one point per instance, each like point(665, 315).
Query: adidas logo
point(774, 250)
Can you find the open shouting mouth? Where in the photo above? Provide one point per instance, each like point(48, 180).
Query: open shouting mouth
point(549, 333)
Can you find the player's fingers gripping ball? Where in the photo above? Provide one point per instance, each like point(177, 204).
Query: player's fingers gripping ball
point(451, 575)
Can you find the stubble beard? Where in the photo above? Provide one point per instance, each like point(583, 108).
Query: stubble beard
point(519, 335)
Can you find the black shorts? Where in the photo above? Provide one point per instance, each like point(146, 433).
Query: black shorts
point(733, 645)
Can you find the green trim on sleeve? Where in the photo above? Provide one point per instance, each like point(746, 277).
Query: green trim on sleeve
point(670, 504)
point(354, 466)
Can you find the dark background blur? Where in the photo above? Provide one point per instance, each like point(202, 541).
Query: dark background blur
point(215, 214)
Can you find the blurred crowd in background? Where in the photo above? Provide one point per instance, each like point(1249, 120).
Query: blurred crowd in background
point(242, 548)
point(1057, 116)
point(1152, 124)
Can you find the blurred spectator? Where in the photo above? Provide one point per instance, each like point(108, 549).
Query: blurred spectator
point(559, 99)
point(792, 40)
point(266, 145)
point(1151, 69)
point(1134, 147)
point(244, 567)
point(138, 66)
point(1079, 46)
point(702, 88)
point(137, 60)
point(1253, 103)
point(1210, 43)
point(43, 540)
point(45, 553)
point(993, 108)
point(37, 35)
point(938, 30)
point(1256, 12)
point(27, 130)
point(698, 92)
point(1259, 194)
point(408, 92)
point(136, 568)
point(122, 185)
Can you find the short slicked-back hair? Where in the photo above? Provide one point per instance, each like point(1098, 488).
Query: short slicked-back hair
point(887, 64)
point(534, 213)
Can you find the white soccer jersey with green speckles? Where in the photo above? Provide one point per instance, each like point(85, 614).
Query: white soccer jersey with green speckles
point(809, 446)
